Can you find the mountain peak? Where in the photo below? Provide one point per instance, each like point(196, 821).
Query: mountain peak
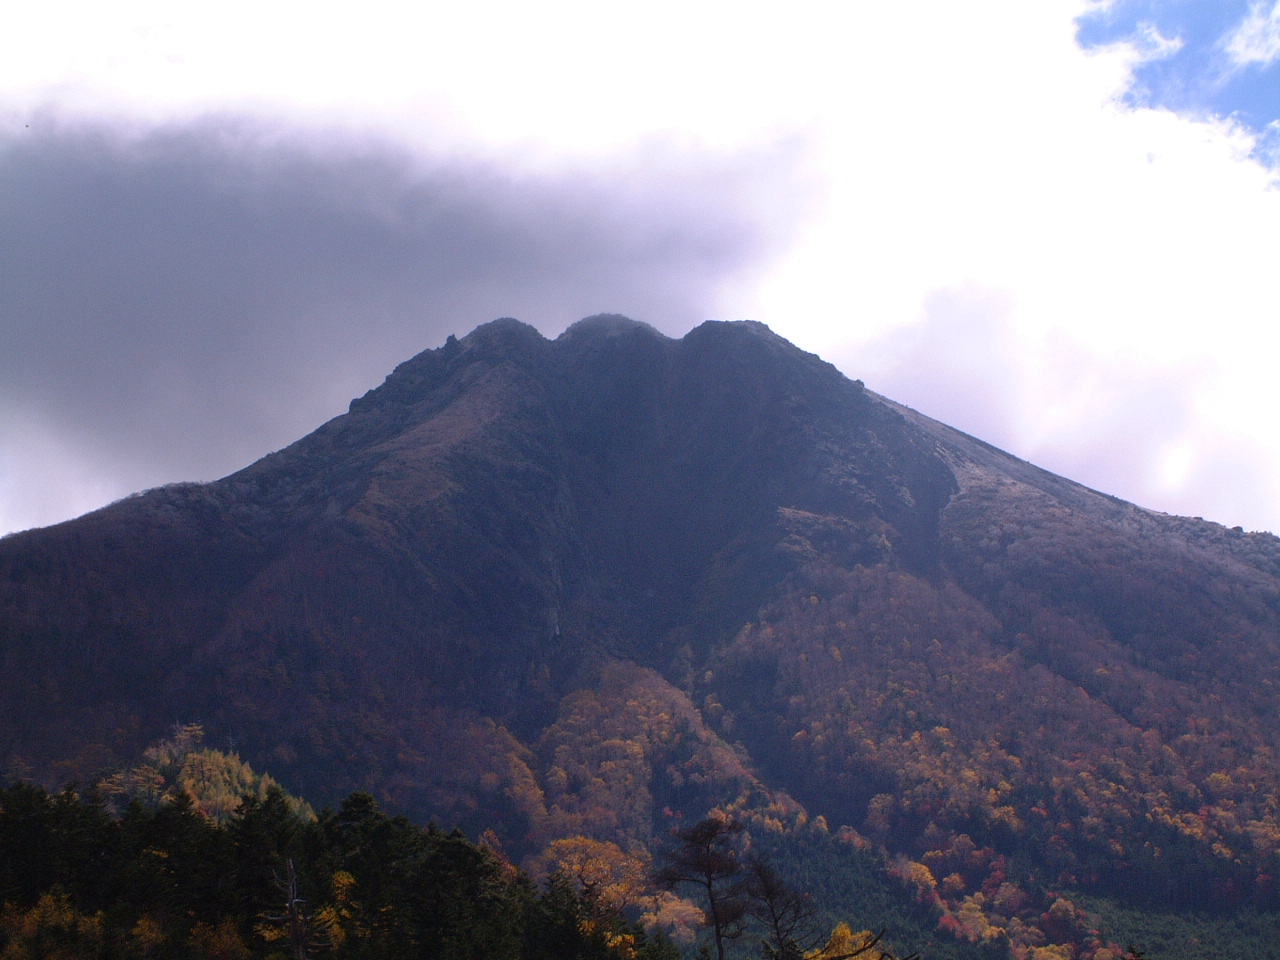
point(503, 334)
point(608, 325)
point(906, 630)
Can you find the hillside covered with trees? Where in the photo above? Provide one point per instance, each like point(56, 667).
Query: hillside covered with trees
point(579, 595)
point(166, 881)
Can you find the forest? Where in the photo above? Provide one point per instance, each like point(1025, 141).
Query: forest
point(190, 853)
point(269, 880)
point(167, 881)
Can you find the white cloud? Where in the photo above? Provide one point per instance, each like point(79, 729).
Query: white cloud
point(1151, 44)
point(1125, 253)
point(1256, 40)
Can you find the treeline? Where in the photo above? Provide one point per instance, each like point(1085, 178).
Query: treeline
point(165, 881)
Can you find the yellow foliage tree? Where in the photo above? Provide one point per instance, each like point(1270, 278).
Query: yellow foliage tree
point(611, 877)
point(51, 930)
point(844, 944)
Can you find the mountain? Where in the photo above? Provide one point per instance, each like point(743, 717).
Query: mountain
point(582, 586)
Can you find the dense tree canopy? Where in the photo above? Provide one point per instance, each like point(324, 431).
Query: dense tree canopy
point(165, 881)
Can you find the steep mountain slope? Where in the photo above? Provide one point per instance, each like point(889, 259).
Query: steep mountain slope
point(502, 509)
point(566, 585)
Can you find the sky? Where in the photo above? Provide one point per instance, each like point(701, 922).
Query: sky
point(1054, 225)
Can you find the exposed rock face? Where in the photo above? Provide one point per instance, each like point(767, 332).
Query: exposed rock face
point(411, 597)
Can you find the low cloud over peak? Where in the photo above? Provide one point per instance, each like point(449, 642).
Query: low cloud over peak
point(181, 302)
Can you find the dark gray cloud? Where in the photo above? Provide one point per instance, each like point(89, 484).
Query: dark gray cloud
point(175, 303)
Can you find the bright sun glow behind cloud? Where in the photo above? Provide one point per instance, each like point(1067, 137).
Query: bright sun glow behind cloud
point(989, 232)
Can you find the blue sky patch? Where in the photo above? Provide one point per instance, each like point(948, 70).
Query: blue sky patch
point(1200, 58)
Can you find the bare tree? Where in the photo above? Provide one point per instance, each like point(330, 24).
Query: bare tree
point(706, 857)
point(785, 912)
point(294, 924)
